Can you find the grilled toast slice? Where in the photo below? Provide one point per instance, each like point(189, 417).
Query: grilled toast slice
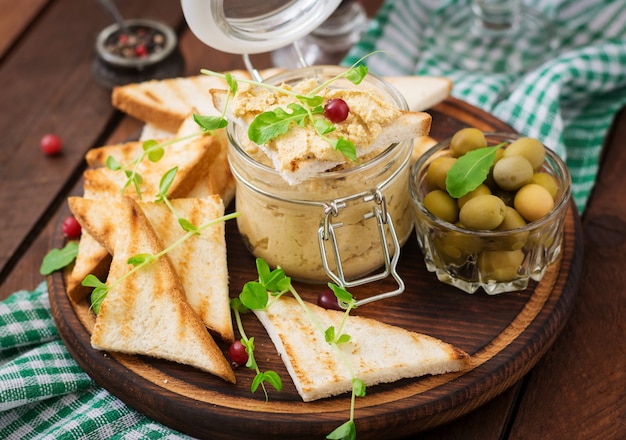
point(144, 312)
point(377, 352)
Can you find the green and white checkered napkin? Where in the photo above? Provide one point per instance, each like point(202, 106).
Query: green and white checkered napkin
point(568, 102)
point(44, 394)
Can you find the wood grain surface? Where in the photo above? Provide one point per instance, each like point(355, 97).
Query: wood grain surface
point(505, 335)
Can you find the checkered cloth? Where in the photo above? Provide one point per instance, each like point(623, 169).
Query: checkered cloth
point(568, 102)
point(44, 394)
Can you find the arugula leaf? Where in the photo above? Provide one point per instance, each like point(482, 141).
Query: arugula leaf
point(271, 124)
point(59, 258)
point(470, 170)
point(99, 292)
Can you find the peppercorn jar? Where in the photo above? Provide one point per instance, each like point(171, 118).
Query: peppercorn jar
point(341, 224)
point(142, 50)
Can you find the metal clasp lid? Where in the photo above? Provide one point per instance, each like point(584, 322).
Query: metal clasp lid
point(326, 232)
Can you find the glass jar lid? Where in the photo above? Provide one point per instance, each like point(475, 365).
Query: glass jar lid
point(252, 26)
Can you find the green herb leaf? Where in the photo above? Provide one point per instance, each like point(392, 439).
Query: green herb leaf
point(233, 85)
point(166, 181)
point(311, 101)
point(254, 295)
point(188, 226)
point(156, 154)
point(209, 123)
point(359, 387)
point(258, 380)
point(59, 258)
point(138, 259)
point(99, 292)
point(154, 151)
point(470, 170)
point(112, 164)
point(273, 379)
point(329, 334)
point(343, 339)
point(249, 346)
point(345, 147)
point(342, 294)
point(347, 431)
point(271, 124)
point(323, 126)
point(237, 305)
point(356, 74)
point(97, 296)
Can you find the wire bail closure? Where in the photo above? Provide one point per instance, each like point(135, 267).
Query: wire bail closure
point(326, 233)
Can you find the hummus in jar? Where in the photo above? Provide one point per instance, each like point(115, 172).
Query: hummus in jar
point(286, 186)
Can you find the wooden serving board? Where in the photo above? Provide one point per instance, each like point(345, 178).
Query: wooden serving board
point(505, 335)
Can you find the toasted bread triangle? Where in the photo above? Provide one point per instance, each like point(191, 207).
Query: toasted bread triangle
point(145, 312)
point(200, 262)
point(202, 171)
point(377, 352)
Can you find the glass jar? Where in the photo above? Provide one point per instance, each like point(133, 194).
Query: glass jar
point(340, 224)
point(497, 261)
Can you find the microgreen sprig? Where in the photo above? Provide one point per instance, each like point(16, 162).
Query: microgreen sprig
point(259, 295)
point(274, 123)
point(152, 150)
point(138, 261)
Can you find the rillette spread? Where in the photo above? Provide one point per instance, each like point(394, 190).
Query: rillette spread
point(301, 147)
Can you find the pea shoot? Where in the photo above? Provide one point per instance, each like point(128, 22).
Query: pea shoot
point(260, 295)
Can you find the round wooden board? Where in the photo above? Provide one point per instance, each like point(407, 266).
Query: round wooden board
point(505, 335)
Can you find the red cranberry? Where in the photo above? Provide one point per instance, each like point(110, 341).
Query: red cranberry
point(71, 227)
point(328, 300)
point(50, 144)
point(237, 353)
point(336, 110)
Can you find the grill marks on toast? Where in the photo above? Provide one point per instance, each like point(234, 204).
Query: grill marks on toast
point(377, 352)
point(147, 313)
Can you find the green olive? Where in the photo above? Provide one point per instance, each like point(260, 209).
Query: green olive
point(442, 205)
point(500, 266)
point(480, 190)
point(548, 181)
point(512, 220)
point(512, 172)
point(437, 172)
point(459, 245)
point(466, 139)
point(533, 202)
point(482, 212)
point(532, 149)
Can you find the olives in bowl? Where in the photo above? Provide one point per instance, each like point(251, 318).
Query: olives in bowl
point(489, 209)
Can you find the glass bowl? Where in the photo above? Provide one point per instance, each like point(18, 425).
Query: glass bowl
point(497, 261)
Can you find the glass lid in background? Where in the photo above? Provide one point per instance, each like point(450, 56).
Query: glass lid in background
point(252, 26)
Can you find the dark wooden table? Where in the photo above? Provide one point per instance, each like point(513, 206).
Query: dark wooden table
point(46, 47)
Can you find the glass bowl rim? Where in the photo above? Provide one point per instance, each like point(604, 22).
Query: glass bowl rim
point(551, 155)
